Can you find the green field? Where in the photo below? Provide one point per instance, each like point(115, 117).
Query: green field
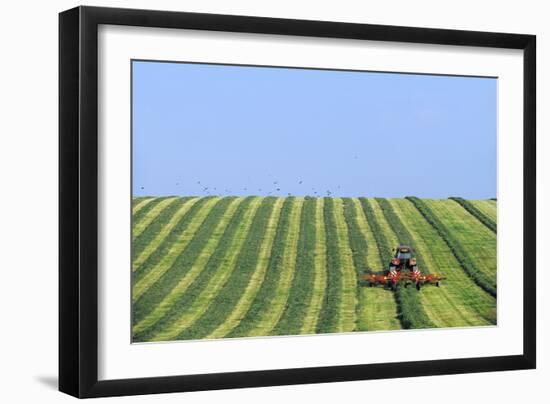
point(222, 267)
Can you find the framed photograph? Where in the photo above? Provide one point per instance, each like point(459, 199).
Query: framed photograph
point(250, 201)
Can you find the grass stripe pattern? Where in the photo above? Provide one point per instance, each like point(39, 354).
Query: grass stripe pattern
point(320, 275)
point(195, 269)
point(224, 302)
point(226, 267)
point(257, 277)
point(478, 214)
point(141, 286)
point(466, 262)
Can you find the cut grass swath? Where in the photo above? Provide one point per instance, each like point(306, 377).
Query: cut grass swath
point(140, 225)
point(478, 214)
point(378, 307)
point(202, 247)
point(320, 275)
point(411, 310)
point(140, 203)
point(348, 314)
point(203, 296)
point(458, 301)
point(257, 277)
point(278, 301)
point(266, 293)
point(487, 207)
point(329, 318)
point(153, 275)
point(139, 214)
point(162, 233)
point(226, 300)
point(469, 266)
point(302, 286)
point(191, 261)
point(479, 242)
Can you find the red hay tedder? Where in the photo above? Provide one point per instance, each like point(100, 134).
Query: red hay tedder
point(402, 269)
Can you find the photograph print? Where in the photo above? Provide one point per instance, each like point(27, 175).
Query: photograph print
point(281, 201)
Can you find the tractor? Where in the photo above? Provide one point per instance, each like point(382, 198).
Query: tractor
point(403, 269)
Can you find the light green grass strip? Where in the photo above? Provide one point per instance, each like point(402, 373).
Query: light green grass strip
point(348, 302)
point(202, 259)
point(489, 208)
point(478, 241)
point(155, 273)
point(141, 204)
point(458, 301)
point(379, 311)
point(320, 280)
point(202, 302)
point(146, 220)
point(271, 318)
point(257, 277)
point(166, 229)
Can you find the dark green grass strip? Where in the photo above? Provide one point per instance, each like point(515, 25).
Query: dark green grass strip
point(411, 313)
point(479, 215)
point(231, 292)
point(183, 262)
point(328, 318)
point(302, 285)
point(265, 294)
point(358, 246)
point(156, 225)
point(465, 261)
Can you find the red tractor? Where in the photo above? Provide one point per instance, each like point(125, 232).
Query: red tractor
point(402, 269)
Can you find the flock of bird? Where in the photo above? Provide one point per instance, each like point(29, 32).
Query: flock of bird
point(273, 188)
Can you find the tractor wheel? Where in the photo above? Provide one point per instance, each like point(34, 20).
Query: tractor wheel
point(417, 285)
point(437, 284)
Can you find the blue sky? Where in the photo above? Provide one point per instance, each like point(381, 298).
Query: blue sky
point(202, 129)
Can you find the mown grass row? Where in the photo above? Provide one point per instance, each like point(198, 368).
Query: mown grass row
point(184, 263)
point(203, 296)
point(411, 310)
point(469, 265)
point(139, 203)
point(320, 276)
point(459, 301)
point(487, 207)
point(256, 278)
point(183, 283)
point(359, 250)
point(225, 301)
point(348, 301)
point(141, 241)
point(151, 216)
point(194, 223)
point(264, 296)
point(158, 231)
point(378, 307)
point(478, 214)
point(329, 316)
point(479, 243)
point(142, 211)
point(302, 285)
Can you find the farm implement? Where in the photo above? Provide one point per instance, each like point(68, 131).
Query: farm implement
point(403, 269)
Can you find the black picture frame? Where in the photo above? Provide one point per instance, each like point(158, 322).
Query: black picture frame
point(78, 201)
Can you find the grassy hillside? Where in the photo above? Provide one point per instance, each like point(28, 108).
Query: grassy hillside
point(220, 267)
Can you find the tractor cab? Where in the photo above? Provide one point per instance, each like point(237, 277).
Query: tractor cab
point(403, 259)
